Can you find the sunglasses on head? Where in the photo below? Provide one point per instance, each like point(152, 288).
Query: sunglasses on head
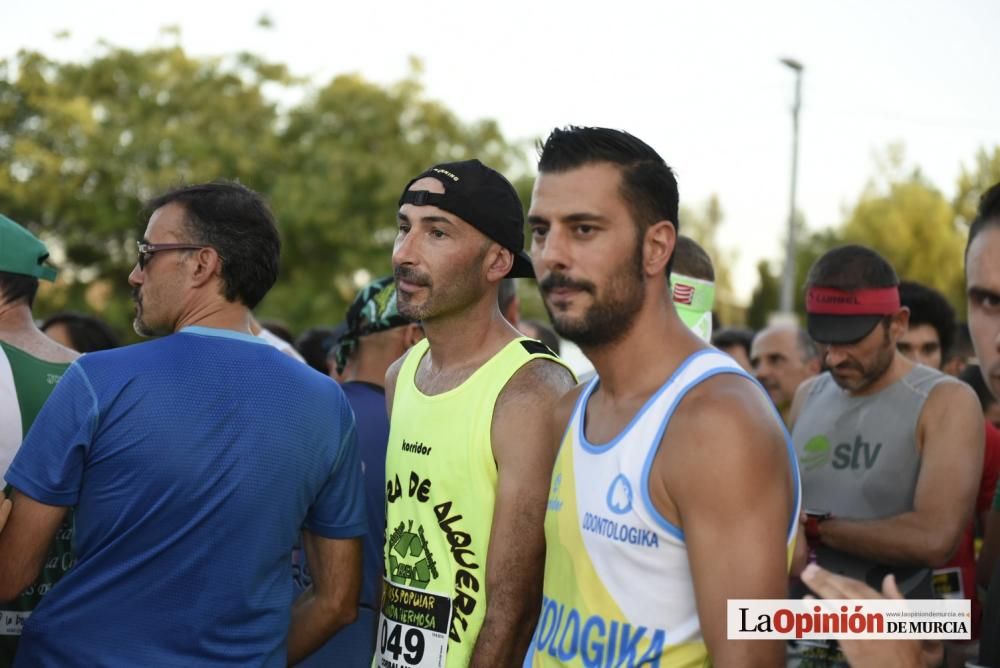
point(146, 250)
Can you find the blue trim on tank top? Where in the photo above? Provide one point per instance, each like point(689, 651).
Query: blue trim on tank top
point(793, 459)
point(596, 449)
point(222, 333)
point(664, 523)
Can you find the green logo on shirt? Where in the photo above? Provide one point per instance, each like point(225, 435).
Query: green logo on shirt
point(858, 455)
point(815, 453)
point(410, 561)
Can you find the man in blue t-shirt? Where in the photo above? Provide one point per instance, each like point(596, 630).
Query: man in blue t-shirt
point(375, 337)
point(192, 462)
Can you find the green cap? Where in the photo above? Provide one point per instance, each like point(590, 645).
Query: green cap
point(21, 252)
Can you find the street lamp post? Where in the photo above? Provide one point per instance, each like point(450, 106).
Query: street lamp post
point(788, 278)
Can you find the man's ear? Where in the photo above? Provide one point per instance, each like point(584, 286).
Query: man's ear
point(900, 323)
point(658, 247)
point(498, 262)
point(208, 265)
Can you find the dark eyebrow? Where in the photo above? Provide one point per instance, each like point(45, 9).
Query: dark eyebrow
point(982, 293)
point(584, 218)
point(436, 219)
point(580, 217)
point(425, 219)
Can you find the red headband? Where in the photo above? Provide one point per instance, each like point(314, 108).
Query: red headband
point(869, 301)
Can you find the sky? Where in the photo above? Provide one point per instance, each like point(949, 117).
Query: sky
point(699, 81)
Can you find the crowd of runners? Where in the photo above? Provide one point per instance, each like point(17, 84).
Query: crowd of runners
point(431, 484)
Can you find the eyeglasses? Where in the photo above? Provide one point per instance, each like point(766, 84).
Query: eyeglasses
point(146, 251)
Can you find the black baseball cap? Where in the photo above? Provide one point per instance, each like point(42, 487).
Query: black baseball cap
point(482, 197)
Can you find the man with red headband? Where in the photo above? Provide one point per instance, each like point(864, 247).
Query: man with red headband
point(890, 451)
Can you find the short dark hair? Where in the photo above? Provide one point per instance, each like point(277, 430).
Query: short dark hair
point(850, 268)
point(237, 223)
point(987, 214)
point(648, 185)
point(961, 344)
point(692, 260)
point(973, 376)
point(87, 333)
point(929, 307)
point(17, 287)
point(315, 345)
point(728, 337)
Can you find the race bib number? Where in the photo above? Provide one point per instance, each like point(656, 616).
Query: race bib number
point(413, 628)
point(948, 583)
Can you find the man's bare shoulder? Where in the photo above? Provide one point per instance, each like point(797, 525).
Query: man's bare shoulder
point(392, 373)
point(538, 379)
point(951, 399)
point(723, 412)
point(951, 391)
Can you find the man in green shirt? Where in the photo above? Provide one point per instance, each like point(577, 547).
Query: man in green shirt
point(30, 366)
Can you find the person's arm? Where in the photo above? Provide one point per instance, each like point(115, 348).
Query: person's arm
point(724, 468)
point(950, 437)
point(331, 602)
point(331, 535)
point(24, 541)
point(522, 447)
point(5, 506)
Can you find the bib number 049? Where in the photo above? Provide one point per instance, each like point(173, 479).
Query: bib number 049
point(397, 641)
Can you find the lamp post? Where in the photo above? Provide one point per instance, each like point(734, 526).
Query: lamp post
point(788, 278)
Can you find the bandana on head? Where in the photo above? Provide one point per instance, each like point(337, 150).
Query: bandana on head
point(373, 310)
point(693, 299)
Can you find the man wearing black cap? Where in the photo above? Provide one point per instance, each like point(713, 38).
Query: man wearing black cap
point(30, 365)
point(878, 437)
point(469, 455)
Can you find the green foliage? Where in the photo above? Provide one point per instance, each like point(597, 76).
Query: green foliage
point(766, 297)
point(84, 144)
point(974, 181)
point(913, 226)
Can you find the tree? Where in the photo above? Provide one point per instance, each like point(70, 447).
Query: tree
point(913, 226)
point(347, 152)
point(766, 297)
point(84, 144)
point(973, 182)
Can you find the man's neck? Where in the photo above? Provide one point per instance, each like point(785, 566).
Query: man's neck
point(17, 328)
point(17, 318)
point(227, 315)
point(368, 369)
point(639, 362)
point(468, 338)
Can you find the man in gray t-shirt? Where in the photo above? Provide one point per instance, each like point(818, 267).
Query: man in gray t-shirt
point(890, 451)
